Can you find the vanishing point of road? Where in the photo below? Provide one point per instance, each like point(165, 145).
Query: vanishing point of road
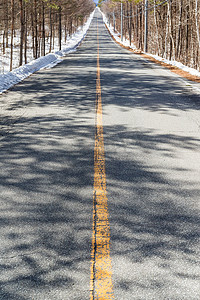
point(100, 180)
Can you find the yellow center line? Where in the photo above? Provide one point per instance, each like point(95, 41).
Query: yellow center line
point(101, 287)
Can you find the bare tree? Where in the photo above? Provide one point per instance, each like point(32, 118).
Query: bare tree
point(173, 27)
point(12, 32)
point(43, 20)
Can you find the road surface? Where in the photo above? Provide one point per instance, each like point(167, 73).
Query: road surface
point(100, 180)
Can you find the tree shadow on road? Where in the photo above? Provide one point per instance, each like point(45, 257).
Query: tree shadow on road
point(47, 181)
point(154, 213)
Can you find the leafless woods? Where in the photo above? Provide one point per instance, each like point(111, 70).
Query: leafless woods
point(42, 20)
point(173, 26)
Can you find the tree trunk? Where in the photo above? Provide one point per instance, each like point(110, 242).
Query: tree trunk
point(60, 27)
point(12, 32)
point(22, 32)
point(129, 22)
point(187, 34)
point(36, 30)
point(40, 31)
point(43, 29)
point(179, 30)
point(51, 29)
point(197, 22)
point(25, 33)
point(171, 51)
point(167, 32)
point(32, 30)
point(6, 23)
point(3, 44)
point(156, 28)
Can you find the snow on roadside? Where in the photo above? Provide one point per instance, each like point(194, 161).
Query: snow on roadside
point(170, 62)
point(50, 60)
point(176, 64)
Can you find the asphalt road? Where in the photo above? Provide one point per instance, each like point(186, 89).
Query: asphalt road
point(151, 133)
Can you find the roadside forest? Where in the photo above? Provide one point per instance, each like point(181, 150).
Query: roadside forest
point(170, 28)
point(39, 25)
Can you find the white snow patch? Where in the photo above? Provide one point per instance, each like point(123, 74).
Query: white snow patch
point(177, 64)
point(50, 60)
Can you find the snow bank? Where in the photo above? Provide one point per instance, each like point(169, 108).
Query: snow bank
point(176, 64)
point(170, 62)
point(50, 60)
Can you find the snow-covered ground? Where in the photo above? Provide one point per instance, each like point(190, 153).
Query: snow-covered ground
point(8, 79)
point(116, 35)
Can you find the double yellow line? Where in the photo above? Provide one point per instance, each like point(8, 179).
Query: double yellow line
point(101, 272)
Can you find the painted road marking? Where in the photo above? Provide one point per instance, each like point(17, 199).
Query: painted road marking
point(101, 270)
